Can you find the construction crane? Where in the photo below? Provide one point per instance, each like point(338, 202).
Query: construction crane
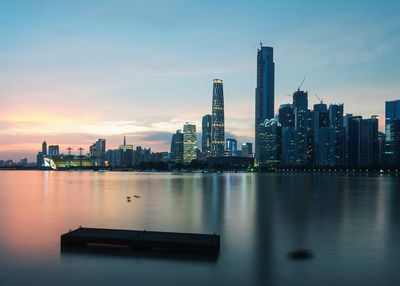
point(69, 149)
point(301, 84)
point(321, 100)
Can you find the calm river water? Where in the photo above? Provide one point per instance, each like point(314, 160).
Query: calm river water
point(350, 223)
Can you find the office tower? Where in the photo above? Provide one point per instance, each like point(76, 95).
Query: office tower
point(206, 136)
point(231, 147)
point(321, 139)
point(247, 149)
point(354, 128)
point(363, 142)
point(381, 148)
point(336, 123)
point(44, 148)
point(302, 127)
point(177, 147)
point(270, 133)
point(265, 90)
point(369, 143)
point(218, 120)
point(392, 130)
point(286, 115)
point(289, 148)
point(39, 159)
point(54, 150)
point(98, 152)
point(189, 142)
point(125, 155)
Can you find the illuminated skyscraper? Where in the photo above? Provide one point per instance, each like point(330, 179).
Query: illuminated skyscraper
point(218, 120)
point(265, 90)
point(177, 147)
point(189, 142)
point(206, 136)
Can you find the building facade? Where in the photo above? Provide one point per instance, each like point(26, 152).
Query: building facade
point(265, 90)
point(177, 147)
point(189, 143)
point(218, 120)
point(392, 130)
point(206, 136)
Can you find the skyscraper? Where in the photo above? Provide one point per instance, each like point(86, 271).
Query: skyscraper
point(392, 129)
point(265, 90)
point(286, 115)
point(231, 147)
point(189, 142)
point(44, 148)
point(300, 104)
point(98, 152)
point(177, 147)
point(206, 136)
point(270, 142)
point(247, 149)
point(218, 120)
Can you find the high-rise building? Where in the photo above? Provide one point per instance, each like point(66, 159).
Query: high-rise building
point(44, 148)
point(286, 115)
point(177, 147)
point(206, 136)
point(218, 120)
point(265, 90)
point(392, 130)
point(302, 127)
point(270, 142)
point(247, 149)
point(231, 147)
point(336, 123)
point(321, 138)
point(98, 152)
point(54, 150)
point(189, 142)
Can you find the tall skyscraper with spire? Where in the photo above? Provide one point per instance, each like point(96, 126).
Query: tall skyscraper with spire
point(218, 120)
point(265, 90)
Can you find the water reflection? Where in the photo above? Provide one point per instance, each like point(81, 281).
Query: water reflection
point(350, 223)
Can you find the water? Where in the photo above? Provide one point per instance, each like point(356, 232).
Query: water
point(350, 223)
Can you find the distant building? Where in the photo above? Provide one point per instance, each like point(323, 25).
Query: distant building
point(206, 135)
point(189, 143)
point(177, 147)
point(302, 127)
point(289, 148)
point(218, 120)
point(97, 152)
point(270, 133)
point(44, 148)
point(23, 162)
point(247, 150)
point(363, 141)
point(392, 130)
point(39, 159)
point(231, 147)
point(54, 150)
point(286, 115)
point(265, 90)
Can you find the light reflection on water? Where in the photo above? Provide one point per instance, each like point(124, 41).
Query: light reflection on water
point(350, 223)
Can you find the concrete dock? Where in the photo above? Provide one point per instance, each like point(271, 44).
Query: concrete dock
point(142, 240)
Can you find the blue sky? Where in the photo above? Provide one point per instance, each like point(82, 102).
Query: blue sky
point(73, 71)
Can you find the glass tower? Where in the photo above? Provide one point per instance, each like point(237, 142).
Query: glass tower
point(265, 90)
point(177, 147)
point(206, 136)
point(218, 120)
point(392, 126)
point(189, 143)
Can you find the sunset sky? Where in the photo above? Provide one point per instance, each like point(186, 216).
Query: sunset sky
point(75, 71)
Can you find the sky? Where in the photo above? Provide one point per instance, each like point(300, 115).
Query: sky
point(74, 71)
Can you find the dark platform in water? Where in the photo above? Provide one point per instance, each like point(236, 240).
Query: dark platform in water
point(142, 240)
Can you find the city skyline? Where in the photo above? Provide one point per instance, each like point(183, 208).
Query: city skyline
point(74, 96)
